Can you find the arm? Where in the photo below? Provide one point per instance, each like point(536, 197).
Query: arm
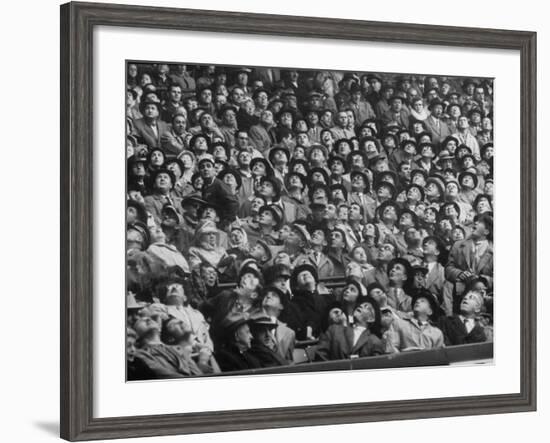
point(171, 144)
point(230, 201)
point(323, 346)
point(452, 271)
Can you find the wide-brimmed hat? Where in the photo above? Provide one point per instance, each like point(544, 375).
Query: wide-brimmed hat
point(277, 213)
point(302, 232)
point(234, 320)
point(140, 209)
point(301, 177)
point(420, 188)
point(336, 157)
point(262, 160)
point(301, 268)
point(207, 227)
point(341, 187)
point(176, 160)
point(276, 186)
point(467, 173)
point(316, 186)
point(195, 197)
point(435, 103)
point(438, 181)
point(408, 141)
point(380, 209)
point(319, 170)
point(163, 171)
point(384, 183)
point(207, 158)
point(298, 161)
point(146, 102)
point(260, 320)
point(363, 174)
point(445, 155)
point(143, 231)
point(424, 293)
point(234, 173)
point(276, 271)
point(282, 149)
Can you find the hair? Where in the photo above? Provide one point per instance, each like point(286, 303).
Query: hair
point(487, 220)
point(169, 339)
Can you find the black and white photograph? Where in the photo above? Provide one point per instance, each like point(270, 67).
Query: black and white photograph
point(293, 220)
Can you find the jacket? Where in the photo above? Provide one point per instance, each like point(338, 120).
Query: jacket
point(146, 135)
point(461, 258)
point(219, 194)
point(337, 343)
point(455, 331)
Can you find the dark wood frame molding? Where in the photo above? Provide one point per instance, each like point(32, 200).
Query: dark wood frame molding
point(77, 24)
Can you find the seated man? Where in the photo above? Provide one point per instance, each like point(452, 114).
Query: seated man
point(284, 337)
point(234, 353)
point(197, 356)
point(177, 306)
point(416, 332)
point(263, 341)
point(465, 327)
point(360, 340)
point(157, 359)
point(309, 302)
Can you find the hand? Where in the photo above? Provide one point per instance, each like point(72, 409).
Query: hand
point(204, 355)
point(464, 275)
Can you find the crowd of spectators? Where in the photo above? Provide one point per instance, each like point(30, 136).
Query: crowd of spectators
point(269, 209)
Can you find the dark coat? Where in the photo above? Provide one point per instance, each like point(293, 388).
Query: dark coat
point(337, 344)
point(219, 194)
point(312, 307)
point(455, 333)
point(266, 356)
point(229, 358)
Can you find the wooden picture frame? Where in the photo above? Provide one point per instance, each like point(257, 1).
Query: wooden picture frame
point(77, 23)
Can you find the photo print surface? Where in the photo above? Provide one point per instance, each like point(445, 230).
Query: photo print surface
point(292, 220)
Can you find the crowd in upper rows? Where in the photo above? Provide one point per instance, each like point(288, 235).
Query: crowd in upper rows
point(273, 207)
